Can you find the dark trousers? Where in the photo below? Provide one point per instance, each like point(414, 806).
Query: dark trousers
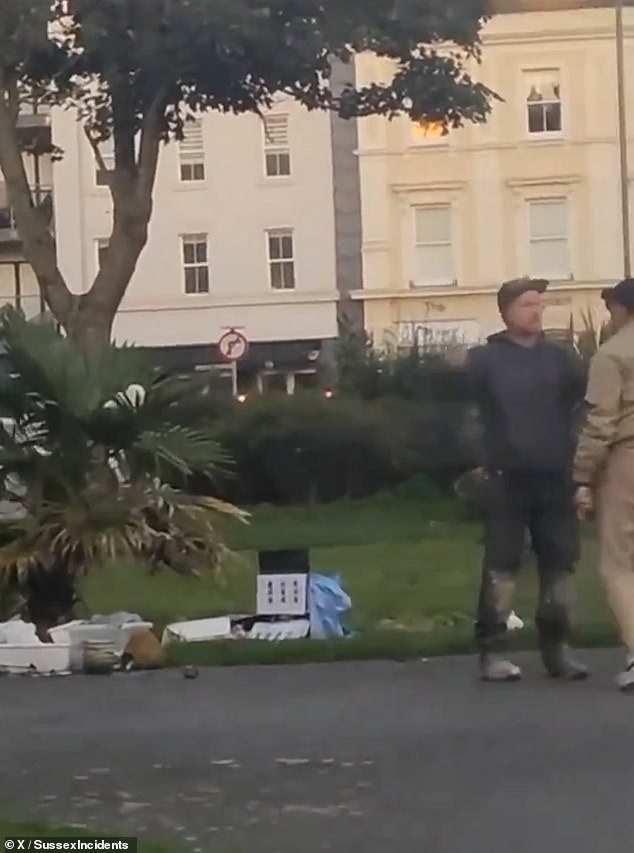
point(540, 503)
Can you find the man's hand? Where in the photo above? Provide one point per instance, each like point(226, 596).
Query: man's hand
point(584, 502)
point(469, 486)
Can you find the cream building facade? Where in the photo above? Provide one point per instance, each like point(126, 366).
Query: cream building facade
point(256, 227)
point(535, 191)
point(242, 236)
point(264, 227)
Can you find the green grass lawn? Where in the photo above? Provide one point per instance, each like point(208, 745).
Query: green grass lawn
point(381, 519)
point(413, 583)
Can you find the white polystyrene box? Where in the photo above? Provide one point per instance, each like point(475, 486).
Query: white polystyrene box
point(44, 658)
point(81, 632)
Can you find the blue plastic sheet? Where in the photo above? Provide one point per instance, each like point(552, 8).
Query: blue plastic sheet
point(328, 604)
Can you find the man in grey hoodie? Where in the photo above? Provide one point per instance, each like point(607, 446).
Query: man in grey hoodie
point(528, 391)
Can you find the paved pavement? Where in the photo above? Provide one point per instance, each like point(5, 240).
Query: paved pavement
point(415, 758)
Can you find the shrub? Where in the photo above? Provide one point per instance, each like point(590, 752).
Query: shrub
point(309, 448)
point(423, 374)
point(438, 438)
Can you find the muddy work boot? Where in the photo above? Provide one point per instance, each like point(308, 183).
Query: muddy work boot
point(559, 663)
point(491, 627)
point(495, 667)
point(553, 624)
point(625, 679)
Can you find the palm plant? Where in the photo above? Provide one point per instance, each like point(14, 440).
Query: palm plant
point(583, 339)
point(96, 452)
point(591, 336)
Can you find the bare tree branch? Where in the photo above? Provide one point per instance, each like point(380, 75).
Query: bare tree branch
point(149, 146)
point(101, 163)
point(124, 130)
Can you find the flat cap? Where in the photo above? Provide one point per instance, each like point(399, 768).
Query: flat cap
point(621, 294)
point(516, 287)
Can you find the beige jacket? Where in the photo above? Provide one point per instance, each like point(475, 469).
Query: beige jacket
point(610, 402)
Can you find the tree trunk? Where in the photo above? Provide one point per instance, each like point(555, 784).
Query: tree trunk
point(91, 319)
point(50, 597)
point(89, 327)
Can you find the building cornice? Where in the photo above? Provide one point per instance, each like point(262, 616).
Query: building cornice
point(463, 147)
point(214, 302)
point(542, 36)
point(548, 181)
point(427, 186)
point(506, 7)
point(439, 293)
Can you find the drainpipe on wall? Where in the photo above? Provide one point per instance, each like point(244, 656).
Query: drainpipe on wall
point(623, 153)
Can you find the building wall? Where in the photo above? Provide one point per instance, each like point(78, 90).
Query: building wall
point(490, 174)
point(235, 206)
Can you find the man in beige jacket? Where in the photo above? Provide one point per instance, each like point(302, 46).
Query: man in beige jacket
point(604, 463)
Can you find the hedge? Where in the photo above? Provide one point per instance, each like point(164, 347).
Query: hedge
point(306, 447)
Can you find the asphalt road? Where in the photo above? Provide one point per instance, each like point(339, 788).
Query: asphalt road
point(416, 758)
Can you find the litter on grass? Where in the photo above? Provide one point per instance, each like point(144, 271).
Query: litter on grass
point(325, 608)
point(62, 651)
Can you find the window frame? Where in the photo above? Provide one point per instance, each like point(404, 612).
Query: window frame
point(417, 281)
point(108, 156)
point(193, 164)
point(526, 104)
point(281, 231)
point(564, 201)
point(100, 175)
point(185, 265)
point(270, 149)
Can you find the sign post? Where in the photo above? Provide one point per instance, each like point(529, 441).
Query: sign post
point(234, 378)
point(233, 346)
